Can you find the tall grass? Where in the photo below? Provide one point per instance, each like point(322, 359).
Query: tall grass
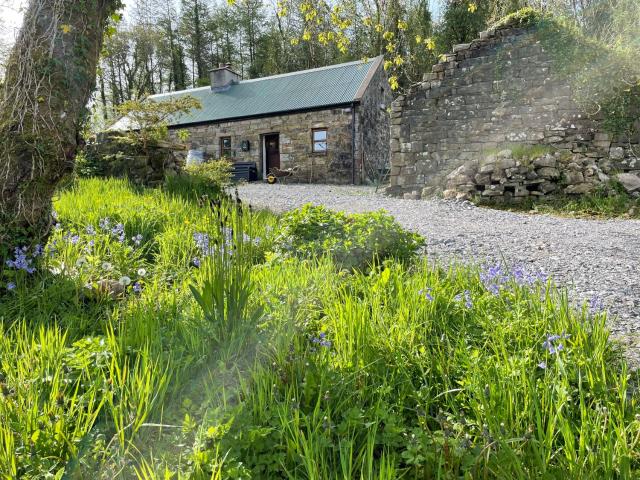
point(227, 361)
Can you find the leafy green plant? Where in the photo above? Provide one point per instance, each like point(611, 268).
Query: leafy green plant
point(354, 241)
point(216, 172)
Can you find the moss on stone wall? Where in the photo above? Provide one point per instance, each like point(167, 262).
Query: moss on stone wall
point(605, 81)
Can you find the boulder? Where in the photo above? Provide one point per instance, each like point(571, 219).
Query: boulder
point(546, 161)
point(616, 153)
point(579, 189)
point(629, 181)
point(548, 172)
point(573, 177)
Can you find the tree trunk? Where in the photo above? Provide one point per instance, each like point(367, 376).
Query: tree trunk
point(49, 77)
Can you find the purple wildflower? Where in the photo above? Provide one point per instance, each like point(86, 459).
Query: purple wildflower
point(321, 340)
point(38, 250)
point(595, 305)
point(11, 286)
point(542, 365)
point(21, 261)
point(104, 223)
point(118, 231)
point(552, 343)
point(90, 230)
point(137, 287)
point(426, 293)
point(196, 262)
point(74, 239)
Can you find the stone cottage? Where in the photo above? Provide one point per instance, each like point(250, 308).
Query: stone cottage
point(495, 119)
point(326, 124)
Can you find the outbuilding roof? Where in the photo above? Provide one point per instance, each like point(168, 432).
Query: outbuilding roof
point(303, 90)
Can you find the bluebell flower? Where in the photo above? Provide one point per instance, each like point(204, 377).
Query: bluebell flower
point(104, 223)
point(467, 297)
point(137, 287)
point(57, 226)
point(54, 214)
point(426, 293)
point(196, 261)
point(595, 305)
point(118, 232)
point(21, 261)
point(74, 239)
point(11, 286)
point(321, 340)
point(542, 365)
point(137, 239)
point(38, 250)
point(468, 303)
point(552, 343)
point(90, 230)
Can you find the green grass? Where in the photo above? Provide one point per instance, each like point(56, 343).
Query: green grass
point(266, 366)
point(595, 205)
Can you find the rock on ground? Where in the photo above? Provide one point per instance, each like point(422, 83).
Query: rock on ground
point(592, 258)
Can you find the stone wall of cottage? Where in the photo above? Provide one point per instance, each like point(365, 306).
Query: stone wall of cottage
point(374, 117)
point(492, 96)
point(295, 143)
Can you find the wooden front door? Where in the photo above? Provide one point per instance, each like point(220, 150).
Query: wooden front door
point(272, 151)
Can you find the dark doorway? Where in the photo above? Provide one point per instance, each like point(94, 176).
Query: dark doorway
point(272, 151)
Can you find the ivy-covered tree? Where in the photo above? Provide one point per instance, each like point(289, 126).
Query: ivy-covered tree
point(50, 75)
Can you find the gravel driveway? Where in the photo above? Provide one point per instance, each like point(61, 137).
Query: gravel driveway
point(592, 258)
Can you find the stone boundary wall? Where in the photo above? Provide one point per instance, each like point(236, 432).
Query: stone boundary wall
point(111, 155)
point(497, 92)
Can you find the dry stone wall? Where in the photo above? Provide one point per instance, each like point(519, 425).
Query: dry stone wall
point(492, 96)
point(112, 155)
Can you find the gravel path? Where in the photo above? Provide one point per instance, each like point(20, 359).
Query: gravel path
point(590, 257)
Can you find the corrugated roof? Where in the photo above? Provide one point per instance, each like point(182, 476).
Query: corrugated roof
point(306, 89)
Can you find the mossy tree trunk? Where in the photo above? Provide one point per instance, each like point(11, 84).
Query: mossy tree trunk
point(49, 78)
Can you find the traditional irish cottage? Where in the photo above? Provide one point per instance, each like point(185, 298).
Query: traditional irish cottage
point(329, 124)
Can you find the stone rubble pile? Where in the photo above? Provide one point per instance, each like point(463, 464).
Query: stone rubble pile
point(502, 178)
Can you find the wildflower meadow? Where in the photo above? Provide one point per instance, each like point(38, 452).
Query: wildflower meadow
point(178, 333)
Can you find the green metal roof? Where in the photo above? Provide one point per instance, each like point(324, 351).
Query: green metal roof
point(306, 89)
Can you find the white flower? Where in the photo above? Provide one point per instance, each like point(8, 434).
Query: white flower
point(124, 281)
point(142, 272)
point(106, 266)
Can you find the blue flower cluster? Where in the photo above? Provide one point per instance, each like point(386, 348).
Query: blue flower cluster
point(22, 261)
point(466, 295)
point(494, 277)
point(208, 248)
point(552, 343)
point(321, 340)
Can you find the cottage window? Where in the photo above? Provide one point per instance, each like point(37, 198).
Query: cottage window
point(225, 147)
point(319, 139)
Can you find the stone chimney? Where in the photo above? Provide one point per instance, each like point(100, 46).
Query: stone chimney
point(223, 77)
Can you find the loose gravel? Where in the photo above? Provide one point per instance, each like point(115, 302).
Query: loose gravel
point(591, 258)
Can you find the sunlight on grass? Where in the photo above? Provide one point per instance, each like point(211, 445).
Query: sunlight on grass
point(192, 337)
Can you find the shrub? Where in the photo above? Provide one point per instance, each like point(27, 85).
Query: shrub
point(354, 241)
point(216, 172)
